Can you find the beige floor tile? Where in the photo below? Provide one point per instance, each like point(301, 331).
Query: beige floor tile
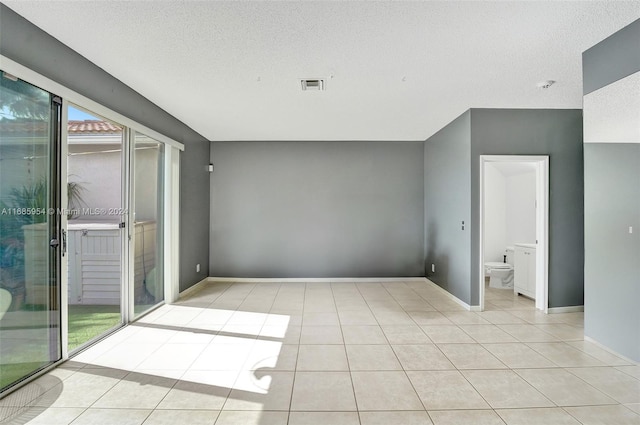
point(384, 391)
point(191, 417)
point(465, 417)
point(633, 406)
point(563, 331)
point(405, 334)
point(544, 416)
point(320, 319)
point(446, 390)
point(465, 318)
point(429, 318)
point(272, 355)
point(193, 395)
point(414, 304)
point(112, 417)
point(564, 355)
point(630, 370)
point(285, 334)
point(321, 335)
point(192, 336)
point(261, 391)
point(236, 333)
point(223, 357)
point(82, 389)
point(445, 304)
point(215, 378)
point(229, 417)
point(446, 334)
point(604, 415)
point(528, 333)
point(518, 355)
point(127, 355)
point(372, 357)
point(52, 415)
point(356, 334)
point(393, 318)
point(500, 318)
point(323, 418)
point(422, 357)
point(173, 356)
point(505, 389)
point(136, 390)
point(357, 317)
point(563, 388)
point(395, 418)
point(623, 388)
point(252, 332)
point(323, 391)
point(315, 304)
point(598, 353)
point(487, 333)
point(322, 358)
point(470, 356)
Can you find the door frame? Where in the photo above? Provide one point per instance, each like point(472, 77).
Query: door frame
point(542, 224)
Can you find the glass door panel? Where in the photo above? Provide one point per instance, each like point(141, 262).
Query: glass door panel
point(148, 176)
point(30, 242)
point(95, 237)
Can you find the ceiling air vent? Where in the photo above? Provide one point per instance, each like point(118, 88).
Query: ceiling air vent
point(312, 84)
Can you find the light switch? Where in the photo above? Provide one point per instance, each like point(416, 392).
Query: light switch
point(630, 229)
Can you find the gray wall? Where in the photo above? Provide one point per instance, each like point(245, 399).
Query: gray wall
point(612, 255)
point(612, 59)
point(553, 132)
point(316, 209)
point(28, 45)
point(612, 205)
point(447, 202)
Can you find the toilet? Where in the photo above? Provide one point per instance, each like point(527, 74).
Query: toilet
point(500, 274)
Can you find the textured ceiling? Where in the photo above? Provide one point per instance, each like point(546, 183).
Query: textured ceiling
point(395, 70)
point(612, 113)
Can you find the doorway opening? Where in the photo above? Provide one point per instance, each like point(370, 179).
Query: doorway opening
point(514, 228)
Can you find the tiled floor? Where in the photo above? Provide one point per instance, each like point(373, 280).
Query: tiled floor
point(338, 354)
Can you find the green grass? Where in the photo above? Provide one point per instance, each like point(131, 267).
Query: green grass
point(11, 372)
point(85, 323)
point(89, 321)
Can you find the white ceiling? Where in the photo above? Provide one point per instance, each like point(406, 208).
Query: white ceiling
point(395, 70)
point(612, 113)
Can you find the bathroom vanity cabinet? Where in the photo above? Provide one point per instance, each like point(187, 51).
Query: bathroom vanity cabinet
point(524, 270)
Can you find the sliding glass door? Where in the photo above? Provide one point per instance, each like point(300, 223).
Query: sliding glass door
point(108, 240)
point(31, 241)
point(96, 237)
point(148, 219)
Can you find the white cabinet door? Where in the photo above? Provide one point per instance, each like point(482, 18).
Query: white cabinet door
point(524, 264)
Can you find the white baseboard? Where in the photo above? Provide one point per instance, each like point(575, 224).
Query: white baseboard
point(569, 309)
point(194, 288)
point(609, 350)
point(315, 279)
point(453, 297)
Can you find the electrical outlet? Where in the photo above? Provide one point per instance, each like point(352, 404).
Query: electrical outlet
point(198, 268)
point(433, 268)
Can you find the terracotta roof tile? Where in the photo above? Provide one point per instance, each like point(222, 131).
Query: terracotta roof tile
point(73, 127)
point(92, 126)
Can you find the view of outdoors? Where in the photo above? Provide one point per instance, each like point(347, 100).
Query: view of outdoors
point(29, 294)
